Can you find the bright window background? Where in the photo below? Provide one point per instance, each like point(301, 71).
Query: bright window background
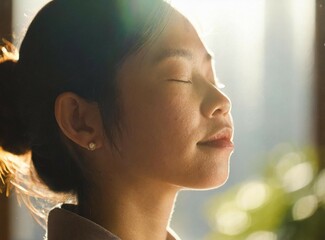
point(264, 55)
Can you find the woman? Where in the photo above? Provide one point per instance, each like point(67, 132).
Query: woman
point(118, 103)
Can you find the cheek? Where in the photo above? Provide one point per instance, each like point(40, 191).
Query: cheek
point(161, 129)
point(163, 119)
point(161, 126)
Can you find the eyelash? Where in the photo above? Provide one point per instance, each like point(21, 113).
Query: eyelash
point(181, 81)
point(217, 85)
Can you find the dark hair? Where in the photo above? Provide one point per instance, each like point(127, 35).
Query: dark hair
point(71, 46)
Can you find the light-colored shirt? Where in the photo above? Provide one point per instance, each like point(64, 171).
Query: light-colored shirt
point(65, 224)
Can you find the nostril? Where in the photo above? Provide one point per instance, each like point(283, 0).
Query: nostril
point(222, 104)
point(215, 103)
point(221, 111)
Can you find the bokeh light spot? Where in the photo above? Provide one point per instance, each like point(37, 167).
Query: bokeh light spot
point(286, 162)
point(305, 207)
point(319, 186)
point(252, 195)
point(298, 177)
point(262, 235)
point(232, 221)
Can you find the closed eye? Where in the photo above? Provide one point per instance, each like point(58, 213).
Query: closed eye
point(181, 81)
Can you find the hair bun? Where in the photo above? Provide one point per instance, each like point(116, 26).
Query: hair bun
point(13, 137)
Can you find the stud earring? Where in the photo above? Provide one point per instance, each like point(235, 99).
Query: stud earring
point(91, 146)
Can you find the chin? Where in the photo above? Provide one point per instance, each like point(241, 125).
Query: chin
point(213, 184)
point(209, 181)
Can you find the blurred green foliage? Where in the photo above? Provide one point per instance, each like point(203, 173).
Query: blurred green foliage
point(287, 202)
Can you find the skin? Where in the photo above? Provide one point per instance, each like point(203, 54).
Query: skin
point(170, 104)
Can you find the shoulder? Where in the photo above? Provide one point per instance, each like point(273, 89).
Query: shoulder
point(64, 224)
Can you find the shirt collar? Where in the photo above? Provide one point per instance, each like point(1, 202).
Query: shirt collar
point(64, 223)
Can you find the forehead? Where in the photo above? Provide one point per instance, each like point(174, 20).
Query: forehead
point(178, 38)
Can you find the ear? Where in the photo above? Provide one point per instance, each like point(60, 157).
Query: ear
point(79, 120)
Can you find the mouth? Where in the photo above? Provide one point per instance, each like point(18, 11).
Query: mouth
point(222, 139)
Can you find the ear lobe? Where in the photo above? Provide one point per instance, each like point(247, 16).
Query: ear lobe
point(79, 120)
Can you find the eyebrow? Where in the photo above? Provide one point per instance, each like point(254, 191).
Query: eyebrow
point(178, 52)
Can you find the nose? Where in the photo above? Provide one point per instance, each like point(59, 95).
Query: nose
point(216, 103)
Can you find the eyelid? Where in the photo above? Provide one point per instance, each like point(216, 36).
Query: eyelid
point(180, 80)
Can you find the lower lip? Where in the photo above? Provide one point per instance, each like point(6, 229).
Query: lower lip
point(221, 143)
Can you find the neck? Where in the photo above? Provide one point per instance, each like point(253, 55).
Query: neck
point(131, 209)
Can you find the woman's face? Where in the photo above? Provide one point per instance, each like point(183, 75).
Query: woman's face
point(176, 123)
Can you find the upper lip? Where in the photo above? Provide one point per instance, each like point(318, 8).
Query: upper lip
point(225, 134)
